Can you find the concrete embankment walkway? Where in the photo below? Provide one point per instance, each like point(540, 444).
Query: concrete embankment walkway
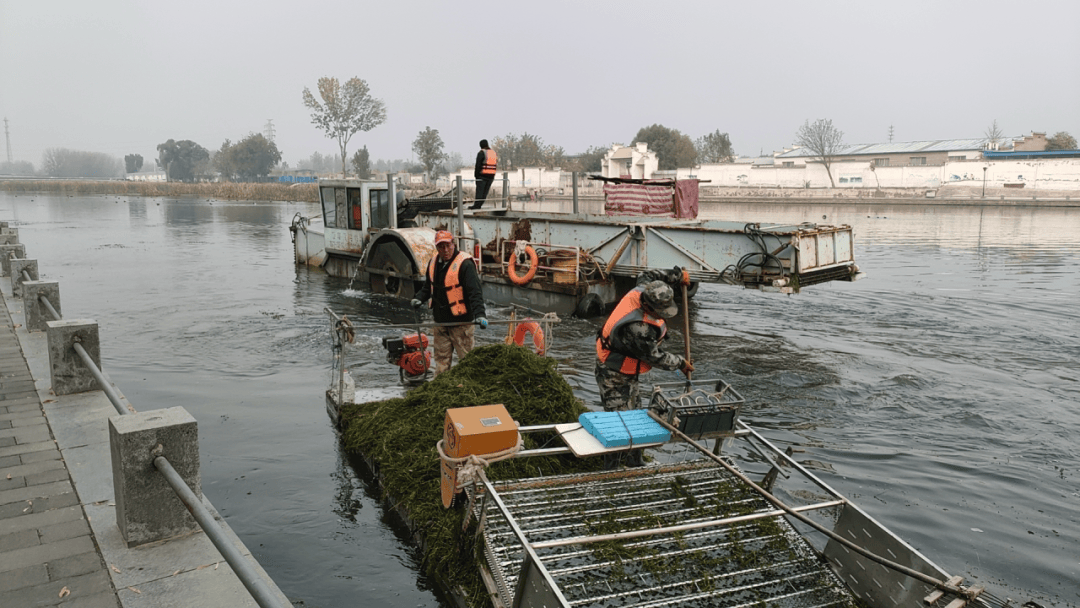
point(59, 541)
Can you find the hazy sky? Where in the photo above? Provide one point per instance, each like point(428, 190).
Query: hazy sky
point(123, 76)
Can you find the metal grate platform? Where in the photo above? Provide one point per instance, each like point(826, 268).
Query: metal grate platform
point(748, 556)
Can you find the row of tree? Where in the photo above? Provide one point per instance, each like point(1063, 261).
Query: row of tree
point(343, 109)
point(249, 159)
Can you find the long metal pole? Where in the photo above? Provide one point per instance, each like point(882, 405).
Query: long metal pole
point(701, 525)
point(49, 307)
point(461, 215)
point(247, 574)
point(391, 192)
point(416, 325)
point(506, 190)
point(577, 209)
point(107, 388)
point(686, 326)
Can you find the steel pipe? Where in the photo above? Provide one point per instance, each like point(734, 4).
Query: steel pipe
point(582, 540)
point(49, 307)
point(248, 575)
point(109, 391)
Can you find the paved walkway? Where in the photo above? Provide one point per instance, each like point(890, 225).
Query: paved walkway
point(48, 553)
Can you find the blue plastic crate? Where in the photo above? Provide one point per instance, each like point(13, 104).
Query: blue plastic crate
point(615, 429)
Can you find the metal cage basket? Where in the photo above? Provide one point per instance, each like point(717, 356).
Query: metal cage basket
point(698, 411)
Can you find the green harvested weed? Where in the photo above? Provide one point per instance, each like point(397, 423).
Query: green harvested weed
point(400, 435)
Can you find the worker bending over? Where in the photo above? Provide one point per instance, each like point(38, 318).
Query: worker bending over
point(628, 345)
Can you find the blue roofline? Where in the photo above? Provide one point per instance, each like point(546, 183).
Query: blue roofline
point(1033, 154)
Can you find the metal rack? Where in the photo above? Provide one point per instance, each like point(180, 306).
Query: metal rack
point(698, 411)
point(674, 535)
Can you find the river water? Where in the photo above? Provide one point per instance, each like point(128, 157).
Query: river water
point(941, 393)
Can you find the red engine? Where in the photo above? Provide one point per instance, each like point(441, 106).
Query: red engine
point(409, 353)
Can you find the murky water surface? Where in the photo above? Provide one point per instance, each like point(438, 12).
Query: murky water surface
point(941, 393)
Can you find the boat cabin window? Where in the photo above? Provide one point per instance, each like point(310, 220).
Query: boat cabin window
point(328, 207)
point(380, 209)
point(356, 210)
point(339, 205)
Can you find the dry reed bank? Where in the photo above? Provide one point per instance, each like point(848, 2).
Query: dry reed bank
point(305, 193)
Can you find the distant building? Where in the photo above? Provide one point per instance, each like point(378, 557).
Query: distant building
point(634, 162)
point(146, 176)
point(918, 153)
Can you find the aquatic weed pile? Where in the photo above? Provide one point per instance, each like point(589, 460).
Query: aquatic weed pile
point(400, 436)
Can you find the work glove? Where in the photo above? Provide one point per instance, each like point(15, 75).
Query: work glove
point(678, 276)
point(686, 368)
point(416, 303)
point(482, 322)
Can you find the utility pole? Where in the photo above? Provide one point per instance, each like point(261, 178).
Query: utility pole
point(7, 136)
point(269, 129)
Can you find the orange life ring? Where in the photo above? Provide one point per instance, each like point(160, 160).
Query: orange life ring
point(530, 327)
point(534, 263)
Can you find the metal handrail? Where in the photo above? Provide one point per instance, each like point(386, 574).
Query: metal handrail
point(106, 387)
point(248, 575)
point(48, 306)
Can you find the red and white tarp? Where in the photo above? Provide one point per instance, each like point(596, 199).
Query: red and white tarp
point(662, 199)
point(638, 199)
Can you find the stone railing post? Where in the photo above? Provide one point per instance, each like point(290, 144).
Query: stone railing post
point(35, 312)
point(147, 508)
point(69, 374)
point(8, 251)
point(17, 268)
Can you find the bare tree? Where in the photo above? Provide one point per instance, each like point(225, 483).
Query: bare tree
point(823, 140)
point(344, 111)
point(994, 134)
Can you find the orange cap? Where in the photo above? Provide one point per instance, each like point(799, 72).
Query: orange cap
point(443, 236)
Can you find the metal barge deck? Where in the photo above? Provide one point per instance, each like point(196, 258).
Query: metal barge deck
point(578, 263)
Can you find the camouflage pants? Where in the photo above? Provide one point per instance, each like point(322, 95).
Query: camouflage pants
point(449, 340)
point(618, 391)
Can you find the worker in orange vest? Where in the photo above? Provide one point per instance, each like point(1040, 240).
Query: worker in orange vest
point(456, 295)
point(486, 161)
point(628, 344)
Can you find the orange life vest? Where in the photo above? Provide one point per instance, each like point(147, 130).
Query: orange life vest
point(490, 160)
point(610, 348)
point(455, 294)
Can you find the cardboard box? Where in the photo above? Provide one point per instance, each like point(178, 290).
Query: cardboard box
point(480, 430)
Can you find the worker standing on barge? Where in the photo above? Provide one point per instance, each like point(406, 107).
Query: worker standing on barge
point(456, 295)
point(484, 172)
point(628, 345)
